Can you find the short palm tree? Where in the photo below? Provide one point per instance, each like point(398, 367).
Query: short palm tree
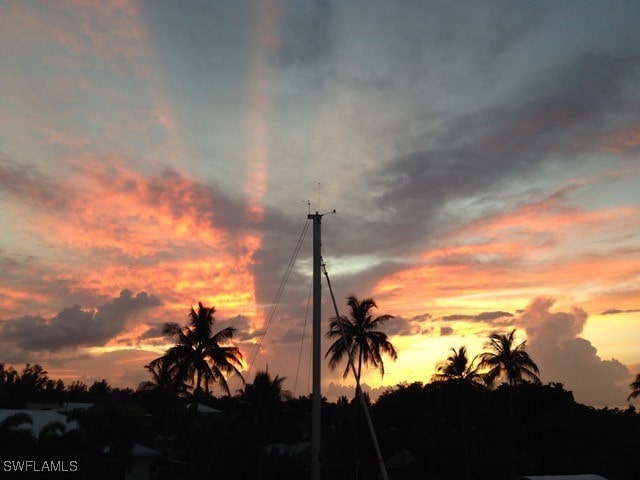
point(164, 383)
point(199, 356)
point(266, 393)
point(363, 339)
point(458, 369)
point(505, 359)
point(635, 388)
point(16, 435)
point(14, 421)
point(163, 390)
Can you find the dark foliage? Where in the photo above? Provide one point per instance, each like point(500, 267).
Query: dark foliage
point(452, 429)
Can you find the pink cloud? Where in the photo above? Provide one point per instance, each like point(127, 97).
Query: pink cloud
point(543, 247)
point(108, 227)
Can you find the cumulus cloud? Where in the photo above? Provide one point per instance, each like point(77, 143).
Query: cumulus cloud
point(554, 344)
point(75, 327)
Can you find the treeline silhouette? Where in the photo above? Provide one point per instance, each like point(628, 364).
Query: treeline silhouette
point(462, 424)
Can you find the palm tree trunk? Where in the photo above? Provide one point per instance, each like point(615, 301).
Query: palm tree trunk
point(512, 432)
point(357, 414)
point(463, 426)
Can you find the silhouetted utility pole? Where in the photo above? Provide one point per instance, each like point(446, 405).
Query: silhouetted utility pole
point(316, 395)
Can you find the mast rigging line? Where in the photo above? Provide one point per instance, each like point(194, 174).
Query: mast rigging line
point(304, 329)
point(279, 292)
point(269, 318)
point(372, 432)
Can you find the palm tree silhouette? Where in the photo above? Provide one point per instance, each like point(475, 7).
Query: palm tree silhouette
point(265, 392)
point(13, 421)
point(200, 354)
point(635, 388)
point(16, 437)
point(364, 341)
point(503, 358)
point(163, 389)
point(164, 383)
point(464, 379)
point(458, 369)
point(265, 396)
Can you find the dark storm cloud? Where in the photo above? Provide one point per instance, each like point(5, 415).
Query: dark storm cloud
point(154, 331)
point(488, 316)
point(74, 327)
point(444, 331)
point(481, 317)
point(615, 311)
point(52, 288)
point(408, 326)
point(557, 113)
point(241, 324)
point(401, 326)
point(456, 317)
point(292, 336)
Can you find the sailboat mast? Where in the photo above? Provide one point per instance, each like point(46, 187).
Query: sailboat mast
point(316, 394)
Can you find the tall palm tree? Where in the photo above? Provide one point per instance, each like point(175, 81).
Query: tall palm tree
point(458, 369)
point(635, 388)
point(503, 358)
point(364, 341)
point(199, 354)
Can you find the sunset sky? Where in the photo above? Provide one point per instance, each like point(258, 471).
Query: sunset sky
point(483, 159)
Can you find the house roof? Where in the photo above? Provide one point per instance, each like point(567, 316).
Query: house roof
point(40, 419)
point(559, 477)
point(71, 406)
point(201, 408)
point(142, 451)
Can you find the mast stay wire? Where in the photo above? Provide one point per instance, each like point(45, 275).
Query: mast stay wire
point(304, 328)
point(372, 432)
point(269, 318)
point(274, 305)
